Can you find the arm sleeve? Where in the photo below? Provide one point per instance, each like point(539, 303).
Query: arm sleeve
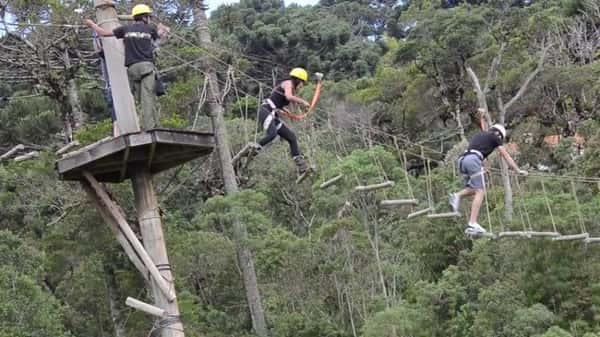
point(119, 32)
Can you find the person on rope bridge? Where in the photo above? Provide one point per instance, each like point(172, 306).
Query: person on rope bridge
point(470, 164)
point(139, 58)
point(270, 110)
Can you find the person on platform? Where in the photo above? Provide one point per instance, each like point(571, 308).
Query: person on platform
point(139, 39)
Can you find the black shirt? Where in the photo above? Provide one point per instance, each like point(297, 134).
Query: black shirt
point(278, 97)
point(138, 39)
point(485, 142)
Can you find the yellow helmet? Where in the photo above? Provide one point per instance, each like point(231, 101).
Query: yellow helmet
point(299, 73)
point(140, 9)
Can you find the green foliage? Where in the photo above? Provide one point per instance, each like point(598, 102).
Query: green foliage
point(28, 120)
point(220, 212)
point(556, 332)
point(173, 122)
point(26, 310)
point(94, 132)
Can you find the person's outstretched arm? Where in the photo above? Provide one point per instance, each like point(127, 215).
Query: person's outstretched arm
point(101, 31)
point(506, 156)
point(289, 94)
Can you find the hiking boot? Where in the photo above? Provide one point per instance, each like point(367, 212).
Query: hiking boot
point(454, 202)
point(301, 164)
point(475, 228)
point(255, 146)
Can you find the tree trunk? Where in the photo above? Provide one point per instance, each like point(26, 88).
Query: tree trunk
point(229, 178)
point(67, 125)
point(113, 299)
point(78, 117)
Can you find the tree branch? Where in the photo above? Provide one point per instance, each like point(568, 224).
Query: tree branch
point(530, 77)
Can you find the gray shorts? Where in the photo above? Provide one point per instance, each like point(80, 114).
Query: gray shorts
point(471, 167)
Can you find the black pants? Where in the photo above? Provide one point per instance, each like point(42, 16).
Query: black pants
point(276, 127)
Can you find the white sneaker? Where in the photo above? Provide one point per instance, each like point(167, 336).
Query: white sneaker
point(454, 202)
point(475, 227)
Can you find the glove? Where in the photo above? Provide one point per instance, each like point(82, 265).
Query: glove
point(523, 172)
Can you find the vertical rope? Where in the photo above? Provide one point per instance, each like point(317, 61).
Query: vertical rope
point(201, 101)
point(257, 124)
point(522, 205)
point(427, 180)
point(485, 197)
point(580, 215)
point(491, 187)
point(548, 205)
point(408, 186)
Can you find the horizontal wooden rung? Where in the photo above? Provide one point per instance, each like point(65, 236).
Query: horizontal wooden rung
point(543, 234)
point(444, 215)
point(512, 234)
point(592, 240)
point(398, 202)
point(373, 187)
point(27, 156)
point(572, 237)
point(419, 213)
point(67, 147)
point(331, 181)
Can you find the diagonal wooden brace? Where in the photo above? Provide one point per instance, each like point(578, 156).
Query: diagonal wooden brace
point(114, 226)
point(115, 213)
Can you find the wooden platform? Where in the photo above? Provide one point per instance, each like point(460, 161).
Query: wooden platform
point(113, 159)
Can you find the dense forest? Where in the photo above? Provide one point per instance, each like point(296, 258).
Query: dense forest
point(403, 84)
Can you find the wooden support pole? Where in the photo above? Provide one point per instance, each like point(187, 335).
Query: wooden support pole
point(111, 207)
point(398, 202)
point(114, 226)
point(573, 237)
point(150, 222)
point(141, 178)
point(331, 181)
point(145, 307)
point(444, 215)
point(114, 53)
point(419, 213)
point(368, 188)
